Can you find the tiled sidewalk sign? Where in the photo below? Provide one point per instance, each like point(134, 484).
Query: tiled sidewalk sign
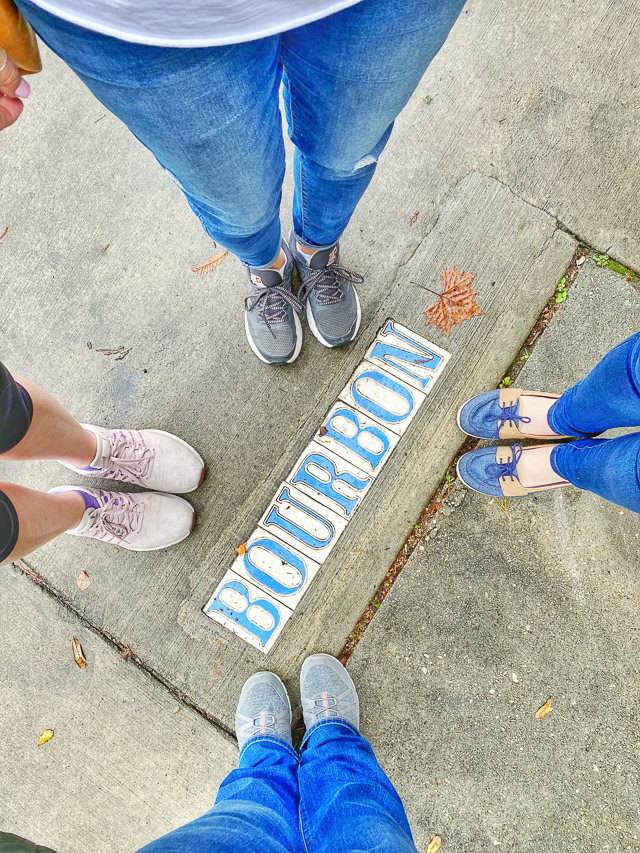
point(327, 485)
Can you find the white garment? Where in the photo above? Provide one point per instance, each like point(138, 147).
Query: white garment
point(193, 23)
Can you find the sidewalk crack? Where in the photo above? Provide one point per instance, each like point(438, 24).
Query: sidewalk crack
point(126, 653)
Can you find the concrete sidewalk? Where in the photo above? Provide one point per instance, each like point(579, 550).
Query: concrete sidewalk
point(502, 606)
point(520, 142)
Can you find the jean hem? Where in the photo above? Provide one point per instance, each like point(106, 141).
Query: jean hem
point(329, 722)
point(276, 741)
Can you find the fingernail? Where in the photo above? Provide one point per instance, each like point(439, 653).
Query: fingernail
point(23, 90)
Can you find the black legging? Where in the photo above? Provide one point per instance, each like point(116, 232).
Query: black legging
point(16, 411)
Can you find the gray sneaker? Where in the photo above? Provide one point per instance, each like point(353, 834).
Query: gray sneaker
point(327, 692)
point(271, 317)
point(263, 709)
point(333, 307)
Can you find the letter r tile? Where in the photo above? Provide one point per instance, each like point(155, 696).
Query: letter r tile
point(385, 398)
point(407, 356)
point(247, 611)
point(359, 439)
point(275, 567)
point(299, 521)
point(330, 480)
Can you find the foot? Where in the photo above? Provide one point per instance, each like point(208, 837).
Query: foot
point(509, 471)
point(143, 521)
point(271, 317)
point(508, 413)
point(332, 304)
point(327, 692)
point(150, 458)
point(263, 709)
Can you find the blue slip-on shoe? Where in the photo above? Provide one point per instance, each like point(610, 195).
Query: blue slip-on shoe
point(264, 708)
point(271, 313)
point(327, 290)
point(496, 415)
point(494, 471)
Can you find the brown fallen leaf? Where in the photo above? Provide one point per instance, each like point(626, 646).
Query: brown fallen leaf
point(4, 232)
point(78, 653)
point(414, 218)
point(241, 549)
point(580, 260)
point(210, 264)
point(543, 710)
point(323, 430)
point(82, 581)
point(46, 735)
point(434, 844)
point(456, 303)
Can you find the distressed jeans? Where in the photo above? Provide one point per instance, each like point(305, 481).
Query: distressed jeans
point(211, 115)
point(332, 798)
point(608, 397)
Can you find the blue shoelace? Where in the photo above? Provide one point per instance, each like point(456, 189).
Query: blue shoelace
point(506, 469)
point(509, 415)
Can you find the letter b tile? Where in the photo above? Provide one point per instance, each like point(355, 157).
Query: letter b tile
point(247, 611)
point(359, 439)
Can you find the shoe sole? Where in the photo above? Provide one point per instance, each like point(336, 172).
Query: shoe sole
point(62, 489)
point(92, 427)
point(296, 351)
point(331, 663)
point(317, 334)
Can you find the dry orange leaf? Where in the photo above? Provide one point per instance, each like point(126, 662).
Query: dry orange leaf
point(82, 581)
point(241, 549)
point(434, 844)
point(414, 218)
point(543, 710)
point(456, 303)
point(78, 653)
point(46, 735)
point(210, 264)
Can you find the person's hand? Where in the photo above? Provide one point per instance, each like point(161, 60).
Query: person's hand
point(12, 88)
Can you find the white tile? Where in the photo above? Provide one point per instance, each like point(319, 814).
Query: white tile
point(387, 399)
point(247, 611)
point(407, 356)
point(356, 437)
point(280, 571)
point(330, 480)
point(298, 520)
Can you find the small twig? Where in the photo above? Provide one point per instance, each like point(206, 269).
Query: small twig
point(4, 232)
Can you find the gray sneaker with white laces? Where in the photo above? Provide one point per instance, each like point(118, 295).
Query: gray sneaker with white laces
point(151, 458)
point(264, 708)
point(140, 521)
point(327, 692)
point(271, 313)
point(332, 304)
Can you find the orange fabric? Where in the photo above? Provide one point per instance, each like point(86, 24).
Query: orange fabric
point(18, 39)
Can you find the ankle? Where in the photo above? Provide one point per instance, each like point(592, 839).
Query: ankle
point(71, 507)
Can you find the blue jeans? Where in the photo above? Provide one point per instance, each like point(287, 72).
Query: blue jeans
point(332, 798)
point(211, 115)
point(608, 397)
